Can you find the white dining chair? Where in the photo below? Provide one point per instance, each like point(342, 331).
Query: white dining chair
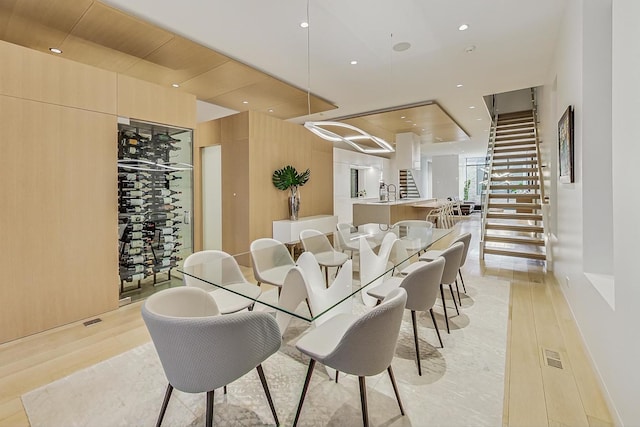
point(414, 233)
point(318, 244)
point(271, 261)
point(375, 267)
point(201, 350)
point(433, 254)
point(221, 269)
point(422, 291)
point(357, 345)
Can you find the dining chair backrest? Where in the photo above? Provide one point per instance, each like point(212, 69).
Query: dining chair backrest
point(453, 256)
point(343, 230)
point(466, 239)
point(201, 350)
point(217, 266)
point(315, 241)
point(422, 285)
point(320, 297)
point(373, 267)
point(368, 345)
point(268, 253)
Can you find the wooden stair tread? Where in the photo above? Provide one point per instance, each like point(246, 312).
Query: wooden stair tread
point(519, 254)
point(515, 143)
point(515, 240)
point(515, 227)
point(507, 132)
point(513, 126)
point(515, 163)
point(522, 149)
point(514, 138)
point(514, 187)
point(520, 113)
point(514, 205)
point(508, 215)
point(515, 170)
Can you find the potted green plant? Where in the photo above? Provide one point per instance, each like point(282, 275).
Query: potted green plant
point(288, 178)
point(467, 184)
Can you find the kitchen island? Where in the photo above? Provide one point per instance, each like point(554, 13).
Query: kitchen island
point(374, 211)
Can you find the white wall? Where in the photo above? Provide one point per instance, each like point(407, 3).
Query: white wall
point(376, 168)
point(595, 215)
point(212, 197)
point(444, 176)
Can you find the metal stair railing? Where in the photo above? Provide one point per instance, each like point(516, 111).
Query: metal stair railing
point(487, 182)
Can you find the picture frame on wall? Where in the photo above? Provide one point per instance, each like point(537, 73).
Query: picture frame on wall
point(565, 147)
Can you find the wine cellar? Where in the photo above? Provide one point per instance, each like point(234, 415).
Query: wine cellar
point(154, 198)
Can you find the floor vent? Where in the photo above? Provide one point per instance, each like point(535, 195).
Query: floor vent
point(552, 358)
point(92, 321)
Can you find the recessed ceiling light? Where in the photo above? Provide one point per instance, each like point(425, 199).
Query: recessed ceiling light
point(175, 85)
point(478, 119)
point(414, 124)
point(402, 46)
point(470, 49)
point(354, 62)
point(472, 107)
point(270, 110)
point(245, 102)
point(458, 85)
point(403, 117)
point(304, 24)
point(55, 50)
point(463, 27)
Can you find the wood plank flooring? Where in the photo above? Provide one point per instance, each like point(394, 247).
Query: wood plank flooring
point(535, 394)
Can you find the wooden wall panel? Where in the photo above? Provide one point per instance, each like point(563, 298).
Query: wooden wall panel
point(59, 216)
point(206, 135)
point(236, 197)
point(38, 76)
point(275, 143)
point(150, 102)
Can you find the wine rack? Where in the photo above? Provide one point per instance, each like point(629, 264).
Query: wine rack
point(150, 208)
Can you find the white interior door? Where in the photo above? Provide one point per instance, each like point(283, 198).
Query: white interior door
point(212, 197)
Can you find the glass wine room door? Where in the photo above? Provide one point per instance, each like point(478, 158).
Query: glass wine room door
point(155, 205)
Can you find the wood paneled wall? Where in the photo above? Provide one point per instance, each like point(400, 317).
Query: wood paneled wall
point(274, 144)
point(58, 222)
point(253, 146)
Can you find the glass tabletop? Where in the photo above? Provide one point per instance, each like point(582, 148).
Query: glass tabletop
point(232, 278)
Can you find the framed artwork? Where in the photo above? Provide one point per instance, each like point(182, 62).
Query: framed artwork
point(565, 147)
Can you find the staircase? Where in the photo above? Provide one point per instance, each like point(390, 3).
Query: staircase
point(513, 207)
point(408, 187)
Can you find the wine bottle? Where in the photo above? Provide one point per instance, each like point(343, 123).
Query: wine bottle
point(128, 176)
point(133, 251)
point(169, 230)
point(137, 259)
point(165, 192)
point(136, 244)
point(136, 218)
point(131, 209)
point(131, 184)
point(128, 193)
point(132, 277)
point(133, 269)
point(172, 177)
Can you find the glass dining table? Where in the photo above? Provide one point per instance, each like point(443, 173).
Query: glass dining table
point(414, 237)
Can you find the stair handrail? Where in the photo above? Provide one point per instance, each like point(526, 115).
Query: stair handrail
point(544, 203)
point(487, 185)
point(534, 109)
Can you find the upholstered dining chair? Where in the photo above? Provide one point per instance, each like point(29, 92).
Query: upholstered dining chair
point(433, 254)
point(422, 290)
point(318, 244)
point(223, 270)
point(357, 345)
point(201, 350)
point(271, 261)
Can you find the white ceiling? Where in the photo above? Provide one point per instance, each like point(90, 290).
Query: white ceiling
point(514, 40)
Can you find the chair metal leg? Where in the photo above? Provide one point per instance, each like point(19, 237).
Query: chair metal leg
point(263, 380)
point(309, 306)
point(312, 363)
point(415, 339)
point(458, 291)
point(326, 276)
point(444, 306)
point(435, 325)
point(337, 373)
point(225, 389)
point(363, 401)
point(464, 289)
point(209, 416)
point(395, 388)
point(165, 402)
point(455, 304)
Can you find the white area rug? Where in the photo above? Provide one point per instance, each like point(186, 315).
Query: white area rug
point(461, 385)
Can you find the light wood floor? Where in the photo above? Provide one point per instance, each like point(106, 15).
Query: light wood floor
point(535, 394)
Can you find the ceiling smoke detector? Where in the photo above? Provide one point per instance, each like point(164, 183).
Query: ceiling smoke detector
point(402, 46)
point(470, 49)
